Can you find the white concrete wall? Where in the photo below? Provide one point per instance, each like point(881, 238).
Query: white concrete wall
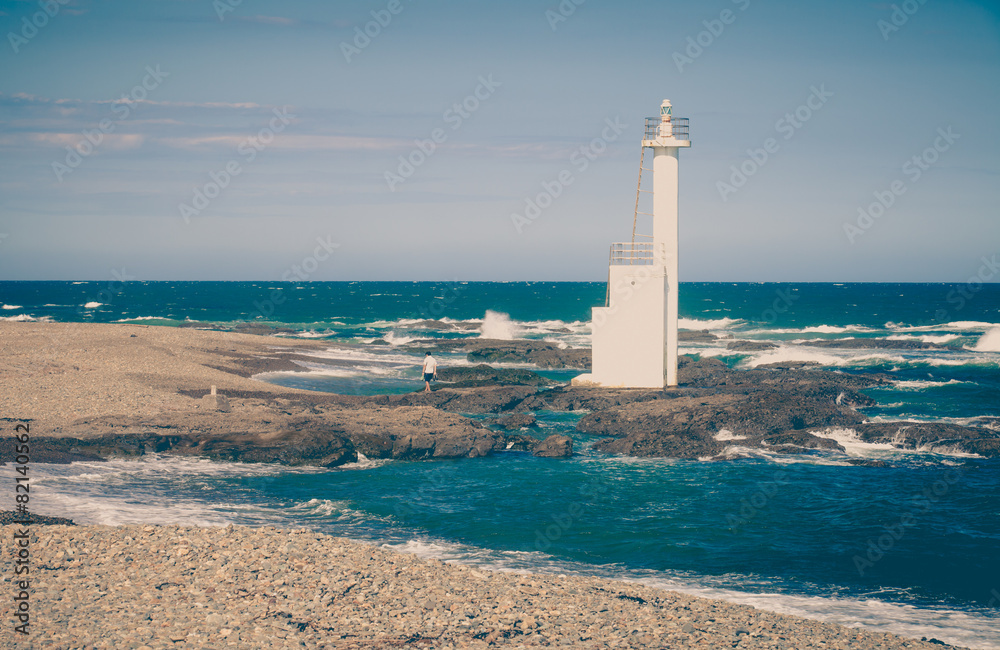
point(666, 206)
point(628, 332)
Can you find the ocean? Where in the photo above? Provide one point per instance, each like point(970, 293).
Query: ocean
point(911, 548)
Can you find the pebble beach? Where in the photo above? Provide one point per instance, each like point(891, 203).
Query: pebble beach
point(149, 587)
point(153, 586)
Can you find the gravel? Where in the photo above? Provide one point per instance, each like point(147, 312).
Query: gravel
point(151, 587)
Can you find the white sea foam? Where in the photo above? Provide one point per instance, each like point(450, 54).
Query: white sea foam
point(89, 493)
point(726, 434)
point(827, 329)
point(852, 444)
point(312, 334)
point(965, 361)
point(967, 629)
point(812, 329)
point(338, 511)
point(920, 384)
point(136, 318)
point(92, 305)
point(959, 628)
point(698, 324)
point(989, 342)
point(833, 357)
point(962, 325)
point(706, 351)
point(365, 355)
point(364, 462)
point(12, 307)
point(926, 338)
point(786, 354)
point(497, 325)
point(397, 339)
point(23, 318)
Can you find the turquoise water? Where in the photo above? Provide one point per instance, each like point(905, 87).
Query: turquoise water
point(912, 548)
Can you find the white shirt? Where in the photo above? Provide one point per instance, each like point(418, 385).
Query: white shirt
point(430, 364)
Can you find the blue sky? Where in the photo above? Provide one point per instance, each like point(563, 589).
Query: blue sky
point(313, 120)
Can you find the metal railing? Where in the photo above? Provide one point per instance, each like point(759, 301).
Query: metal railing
point(681, 128)
point(627, 253)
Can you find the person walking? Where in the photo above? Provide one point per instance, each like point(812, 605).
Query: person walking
point(430, 371)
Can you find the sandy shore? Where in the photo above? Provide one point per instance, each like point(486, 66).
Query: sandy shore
point(169, 587)
point(57, 373)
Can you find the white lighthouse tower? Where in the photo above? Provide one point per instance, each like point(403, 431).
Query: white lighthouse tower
point(635, 333)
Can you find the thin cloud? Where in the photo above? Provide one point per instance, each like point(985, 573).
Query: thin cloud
point(113, 141)
point(270, 20)
point(287, 141)
point(26, 98)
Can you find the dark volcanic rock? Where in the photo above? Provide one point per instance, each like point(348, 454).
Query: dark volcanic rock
point(544, 355)
point(783, 410)
point(520, 442)
point(762, 407)
point(301, 447)
point(488, 399)
point(750, 346)
point(8, 517)
point(315, 447)
point(567, 398)
point(282, 431)
point(877, 344)
point(932, 436)
point(797, 441)
point(696, 336)
point(43, 451)
point(686, 427)
point(444, 325)
point(485, 375)
point(540, 353)
point(432, 445)
point(867, 462)
point(555, 446)
point(515, 421)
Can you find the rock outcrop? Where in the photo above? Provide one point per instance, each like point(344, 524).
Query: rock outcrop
point(555, 446)
point(514, 421)
point(290, 433)
point(878, 344)
point(540, 353)
point(486, 375)
point(932, 436)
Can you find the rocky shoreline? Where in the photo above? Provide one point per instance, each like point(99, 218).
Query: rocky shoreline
point(716, 412)
point(151, 587)
point(92, 392)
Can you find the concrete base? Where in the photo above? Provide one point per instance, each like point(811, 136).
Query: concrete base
point(629, 335)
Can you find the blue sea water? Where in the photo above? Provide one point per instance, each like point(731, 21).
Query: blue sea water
point(912, 548)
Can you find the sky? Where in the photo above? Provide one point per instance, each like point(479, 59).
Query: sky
point(832, 141)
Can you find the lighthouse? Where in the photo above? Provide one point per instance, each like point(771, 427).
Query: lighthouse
point(635, 332)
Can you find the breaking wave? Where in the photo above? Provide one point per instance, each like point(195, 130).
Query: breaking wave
point(497, 325)
point(989, 342)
